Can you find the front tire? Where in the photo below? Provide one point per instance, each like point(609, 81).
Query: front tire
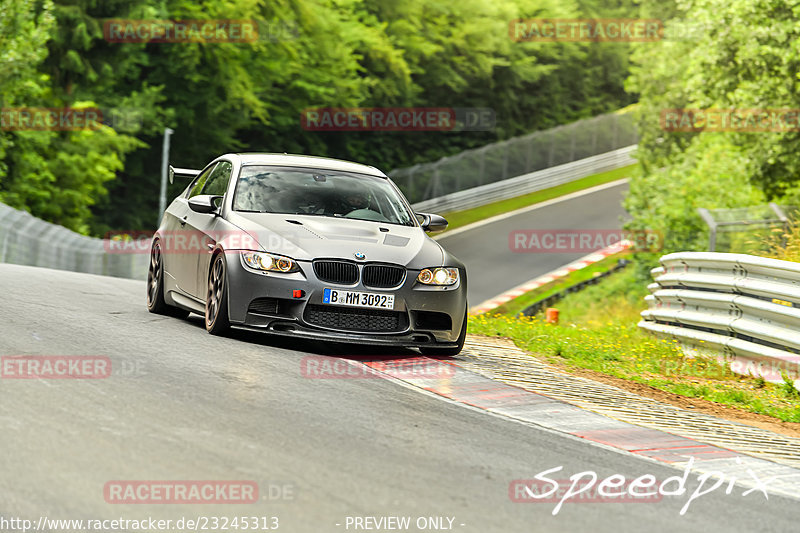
point(155, 286)
point(217, 322)
point(449, 352)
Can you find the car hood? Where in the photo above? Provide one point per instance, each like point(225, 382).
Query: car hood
point(311, 237)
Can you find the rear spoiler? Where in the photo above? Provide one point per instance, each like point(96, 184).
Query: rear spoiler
point(182, 173)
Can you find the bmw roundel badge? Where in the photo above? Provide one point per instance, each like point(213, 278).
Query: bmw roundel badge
point(360, 256)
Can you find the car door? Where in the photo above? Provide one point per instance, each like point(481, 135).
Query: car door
point(209, 226)
point(180, 254)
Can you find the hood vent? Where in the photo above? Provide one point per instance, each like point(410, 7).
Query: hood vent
point(394, 240)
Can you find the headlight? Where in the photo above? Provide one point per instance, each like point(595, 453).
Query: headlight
point(438, 276)
point(269, 262)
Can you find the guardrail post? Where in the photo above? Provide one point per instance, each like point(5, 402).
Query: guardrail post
point(783, 218)
point(615, 135)
point(572, 146)
point(482, 166)
point(705, 214)
point(505, 159)
point(436, 186)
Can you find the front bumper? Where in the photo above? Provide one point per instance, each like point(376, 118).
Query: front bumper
point(422, 315)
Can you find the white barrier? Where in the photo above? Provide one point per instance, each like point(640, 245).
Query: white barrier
point(743, 309)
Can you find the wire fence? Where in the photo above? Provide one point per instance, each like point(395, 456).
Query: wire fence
point(27, 240)
point(528, 183)
point(517, 156)
point(751, 229)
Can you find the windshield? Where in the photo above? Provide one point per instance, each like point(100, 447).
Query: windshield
point(319, 192)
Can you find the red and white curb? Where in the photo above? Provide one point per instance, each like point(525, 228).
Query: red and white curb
point(519, 290)
point(448, 380)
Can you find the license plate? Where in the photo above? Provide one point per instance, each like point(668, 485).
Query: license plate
point(358, 299)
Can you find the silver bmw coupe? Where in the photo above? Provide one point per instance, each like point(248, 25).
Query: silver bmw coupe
point(309, 247)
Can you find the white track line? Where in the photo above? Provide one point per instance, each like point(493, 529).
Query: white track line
point(560, 272)
point(570, 196)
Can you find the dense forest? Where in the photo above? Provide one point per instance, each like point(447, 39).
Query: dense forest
point(744, 56)
point(243, 96)
point(249, 96)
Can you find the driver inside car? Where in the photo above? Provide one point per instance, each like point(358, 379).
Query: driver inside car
point(353, 201)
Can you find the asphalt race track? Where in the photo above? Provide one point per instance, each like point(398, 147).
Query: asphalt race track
point(494, 268)
point(183, 405)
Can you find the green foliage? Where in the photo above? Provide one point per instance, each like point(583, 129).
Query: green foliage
point(56, 175)
point(612, 344)
point(788, 387)
point(745, 56)
point(617, 297)
point(24, 31)
point(710, 173)
point(244, 96)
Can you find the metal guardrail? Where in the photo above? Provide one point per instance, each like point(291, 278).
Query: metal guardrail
point(27, 240)
point(527, 183)
point(517, 156)
point(743, 309)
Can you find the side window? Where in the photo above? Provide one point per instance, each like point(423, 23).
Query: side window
point(217, 182)
point(200, 182)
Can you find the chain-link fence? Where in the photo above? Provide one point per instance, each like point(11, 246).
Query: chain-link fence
point(517, 156)
point(751, 229)
point(27, 240)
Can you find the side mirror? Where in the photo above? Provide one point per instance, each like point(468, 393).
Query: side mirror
point(204, 203)
point(431, 222)
point(171, 174)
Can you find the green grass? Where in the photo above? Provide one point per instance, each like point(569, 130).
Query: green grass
point(518, 304)
point(619, 297)
point(457, 219)
point(597, 331)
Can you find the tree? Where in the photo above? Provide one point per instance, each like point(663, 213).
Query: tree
point(56, 175)
point(743, 57)
point(249, 96)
